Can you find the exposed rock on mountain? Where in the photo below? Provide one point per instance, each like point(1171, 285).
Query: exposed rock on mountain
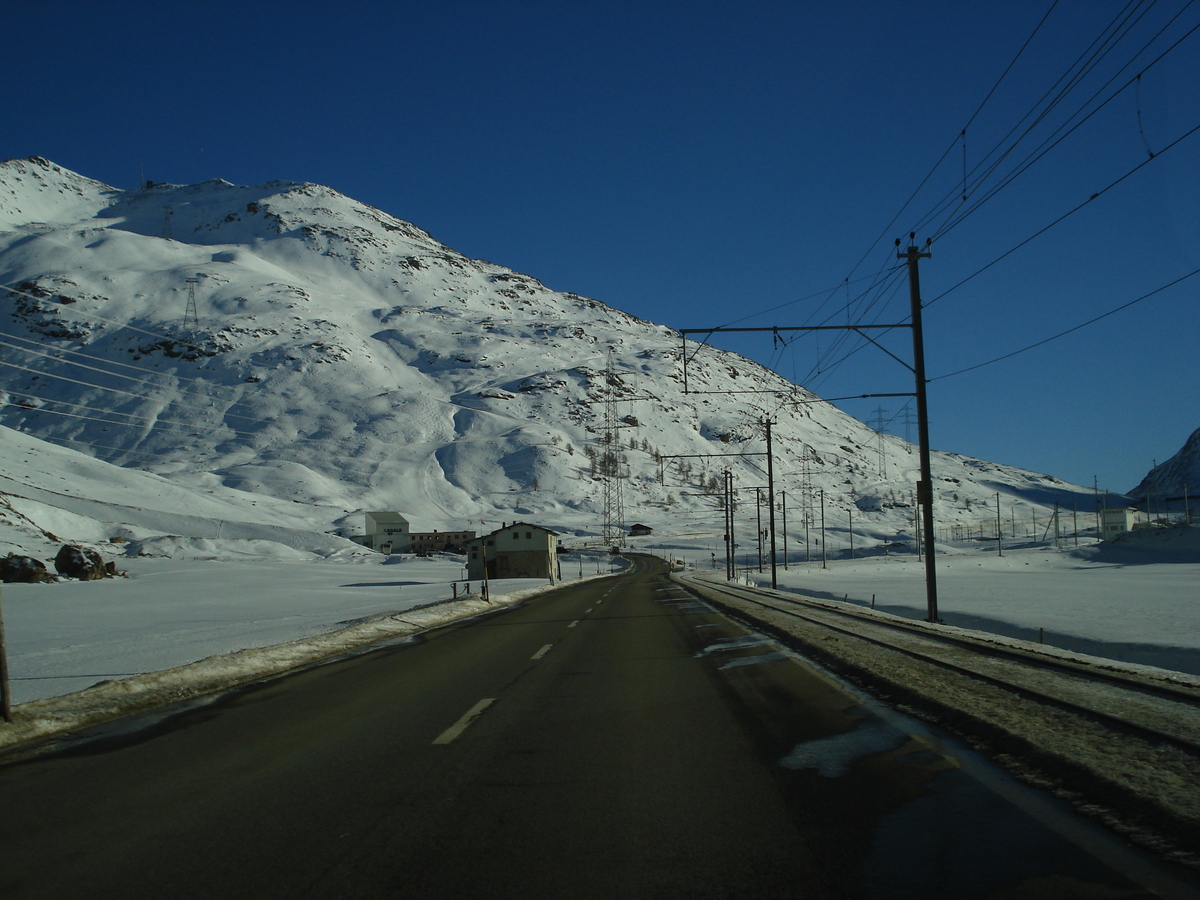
point(1179, 473)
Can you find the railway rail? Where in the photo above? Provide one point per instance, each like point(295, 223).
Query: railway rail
point(1135, 704)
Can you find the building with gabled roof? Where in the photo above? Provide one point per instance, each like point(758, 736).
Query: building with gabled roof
point(519, 550)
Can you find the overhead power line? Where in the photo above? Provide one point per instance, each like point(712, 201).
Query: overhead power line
point(1067, 214)
point(91, 315)
point(1070, 330)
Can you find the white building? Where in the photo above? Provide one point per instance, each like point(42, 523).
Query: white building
point(1117, 519)
point(387, 532)
point(519, 550)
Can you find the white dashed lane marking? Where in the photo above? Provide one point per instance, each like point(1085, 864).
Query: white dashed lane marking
point(461, 725)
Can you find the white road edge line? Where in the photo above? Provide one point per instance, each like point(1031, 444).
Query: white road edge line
point(542, 652)
point(461, 725)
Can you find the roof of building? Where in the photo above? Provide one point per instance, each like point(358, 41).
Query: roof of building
point(386, 516)
point(513, 525)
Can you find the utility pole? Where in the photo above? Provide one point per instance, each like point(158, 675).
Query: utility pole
point(999, 528)
point(850, 512)
point(758, 514)
point(925, 487)
point(824, 543)
point(785, 523)
point(771, 503)
point(5, 697)
point(729, 544)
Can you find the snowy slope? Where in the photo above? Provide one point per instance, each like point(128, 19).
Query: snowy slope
point(346, 360)
point(51, 494)
point(1179, 473)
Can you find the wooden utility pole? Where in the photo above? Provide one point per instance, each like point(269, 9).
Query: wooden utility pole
point(925, 487)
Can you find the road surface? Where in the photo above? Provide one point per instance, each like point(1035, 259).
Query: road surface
point(612, 739)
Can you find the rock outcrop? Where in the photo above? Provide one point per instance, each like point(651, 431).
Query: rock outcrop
point(24, 569)
point(81, 563)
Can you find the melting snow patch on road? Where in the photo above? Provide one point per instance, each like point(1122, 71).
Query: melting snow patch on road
point(758, 659)
point(738, 643)
point(834, 756)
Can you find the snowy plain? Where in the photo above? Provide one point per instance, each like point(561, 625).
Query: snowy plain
point(66, 637)
point(1135, 599)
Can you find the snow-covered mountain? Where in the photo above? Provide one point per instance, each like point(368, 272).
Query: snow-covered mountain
point(287, 343)
point(1171, 478)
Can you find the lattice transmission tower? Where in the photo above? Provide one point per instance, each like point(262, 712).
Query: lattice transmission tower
point(190, 317)
point(611, 457)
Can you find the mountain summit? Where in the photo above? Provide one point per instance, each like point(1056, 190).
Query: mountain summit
point(289, 341)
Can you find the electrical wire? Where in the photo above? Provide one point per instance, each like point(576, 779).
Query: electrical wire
point(53, 356)
point(252, 421)
point(887, 228)
point(1066, 215)
point(99, 318)
point(1099, 48)
point(1070, 330)
point(1052, 141)
point(60, 352)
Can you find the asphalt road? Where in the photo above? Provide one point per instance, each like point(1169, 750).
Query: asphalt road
point(612, 739)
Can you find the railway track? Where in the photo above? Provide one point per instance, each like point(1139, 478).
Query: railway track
point(1141, 706)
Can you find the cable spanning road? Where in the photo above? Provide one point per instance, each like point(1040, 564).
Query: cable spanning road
point(617, 738)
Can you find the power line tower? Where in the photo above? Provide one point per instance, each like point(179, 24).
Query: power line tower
point(611, 457)
point(877, 423)
point(190, 316)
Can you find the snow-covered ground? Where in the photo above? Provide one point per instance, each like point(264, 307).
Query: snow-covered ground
point(170, 612)
point(1136, 599)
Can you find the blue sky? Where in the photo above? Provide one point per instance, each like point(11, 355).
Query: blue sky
point(698, 163)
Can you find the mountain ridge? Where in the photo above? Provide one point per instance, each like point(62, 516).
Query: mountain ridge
point(347, 360)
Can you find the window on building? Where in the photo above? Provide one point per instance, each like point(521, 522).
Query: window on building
point(529, 535)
